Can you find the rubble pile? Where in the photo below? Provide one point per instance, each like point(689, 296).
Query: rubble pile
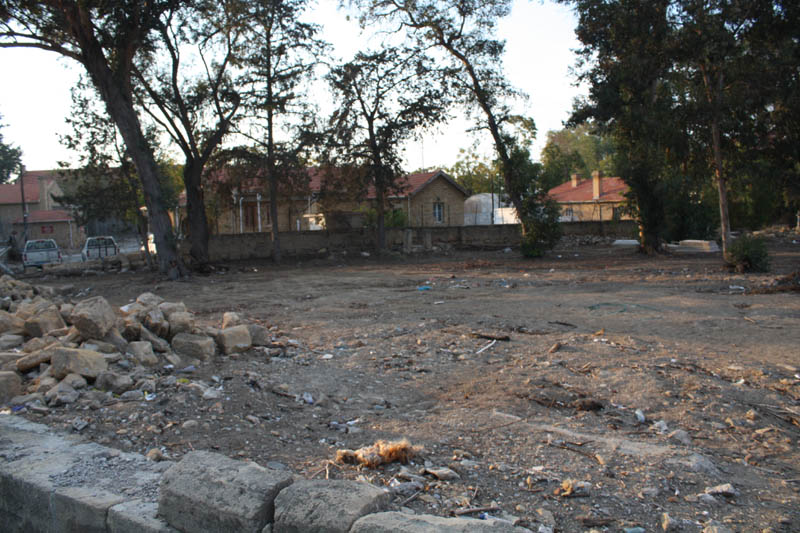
point(55, 351)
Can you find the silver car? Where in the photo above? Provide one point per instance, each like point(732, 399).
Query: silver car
point(99, 247)
point(40, 252)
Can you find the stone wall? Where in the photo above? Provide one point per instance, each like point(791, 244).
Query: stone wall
point(58, 483)
point(313, 243)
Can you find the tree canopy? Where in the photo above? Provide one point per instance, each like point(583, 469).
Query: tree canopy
point(679, 85)
point(10, 158)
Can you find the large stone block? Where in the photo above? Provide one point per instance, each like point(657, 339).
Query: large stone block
point(44, 322)
point(11, 324)
point(33, 360)
point(408, 523)
point(180, 322)
point(93, 317)
point(208, 492)
point(159, 344)
point(148, 299)
point(136, 516)
point(87, 363)
point(116, 383)
point(168, 308)
point(259, 335)
point(196, 346)
point(320, 506)
point(142, 351)
point(234, 339)
point(9, 341)
point(81, 509)
point(156, 322)
point(10, 386)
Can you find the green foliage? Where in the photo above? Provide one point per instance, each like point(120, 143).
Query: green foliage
point(10, 159)
point(396, 218)
point(385, 98)
point(578, 150)
point(538, 213)
point(541, 227)
point(475, 174)
point(690, 209)
point(748, 254)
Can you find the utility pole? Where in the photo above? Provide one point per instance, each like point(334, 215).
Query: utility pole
point(24, 205)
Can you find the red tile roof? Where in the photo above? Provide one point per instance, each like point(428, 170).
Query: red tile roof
point(10, 192)
point(39, 216)
point(409, 185)
point(612, 190)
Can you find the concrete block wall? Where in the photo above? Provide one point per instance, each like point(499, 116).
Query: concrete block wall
point(53, 483)
point(309, 243)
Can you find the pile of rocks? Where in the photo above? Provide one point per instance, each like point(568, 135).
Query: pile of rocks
point(55, 351)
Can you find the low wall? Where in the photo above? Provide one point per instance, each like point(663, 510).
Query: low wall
point(311, 243)
point(55, 483)
point(622, 229)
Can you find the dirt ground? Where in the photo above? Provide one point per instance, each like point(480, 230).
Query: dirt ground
point(595, 388)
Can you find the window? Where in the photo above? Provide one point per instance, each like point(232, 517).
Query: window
point(568, 212)
point(617, 213)
point(250, 217)
point(438, 212)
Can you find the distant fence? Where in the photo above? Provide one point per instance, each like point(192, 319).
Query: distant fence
point(310, 243)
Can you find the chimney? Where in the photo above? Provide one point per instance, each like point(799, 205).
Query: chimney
point(597, 184)
point(574, 178)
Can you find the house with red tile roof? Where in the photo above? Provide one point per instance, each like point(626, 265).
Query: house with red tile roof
point(598, 199)
point(319, 198)
point(46, 219)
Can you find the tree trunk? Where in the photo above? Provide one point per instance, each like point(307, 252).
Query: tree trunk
point(196, 213)
point(722, 189)
point(114, 88)
point(713, 95)
point(273, 215)
point(380, 193)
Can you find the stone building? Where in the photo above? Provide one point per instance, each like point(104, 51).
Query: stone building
point(598, 199)
point(46, 219)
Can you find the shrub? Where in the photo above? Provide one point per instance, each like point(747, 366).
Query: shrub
point(748, 254)
point(542, 229)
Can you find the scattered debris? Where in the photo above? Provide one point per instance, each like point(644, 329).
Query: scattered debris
point(382, 452)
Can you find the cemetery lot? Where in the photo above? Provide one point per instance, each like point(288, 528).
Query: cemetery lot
point(595, 388)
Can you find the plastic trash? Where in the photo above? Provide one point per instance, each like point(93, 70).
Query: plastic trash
point(187, 370)
point(424, 288)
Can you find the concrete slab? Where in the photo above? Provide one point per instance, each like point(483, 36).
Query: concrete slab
point(320, 506)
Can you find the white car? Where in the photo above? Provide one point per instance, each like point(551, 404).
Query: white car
point(99, 247)
point(40, 252)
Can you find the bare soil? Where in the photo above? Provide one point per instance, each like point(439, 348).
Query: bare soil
point(523, 377)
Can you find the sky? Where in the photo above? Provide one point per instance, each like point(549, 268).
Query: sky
point(540, 39)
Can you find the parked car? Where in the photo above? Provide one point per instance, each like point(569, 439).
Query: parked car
point(40, 252)
point(99, 247)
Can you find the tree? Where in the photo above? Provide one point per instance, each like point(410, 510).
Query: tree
point(476, 174)
point(195, 107)
point(576, 150)
point(463, 30)
point(105, 38)
point(384, 98)
point(10, 159)
point(282, 54)
point(681, 86)
point(106, 185)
